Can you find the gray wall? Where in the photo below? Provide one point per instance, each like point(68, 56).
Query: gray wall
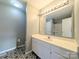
point(12, 20)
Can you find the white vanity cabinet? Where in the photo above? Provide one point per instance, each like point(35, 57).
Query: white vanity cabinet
point(49, 51)
point(42, 49)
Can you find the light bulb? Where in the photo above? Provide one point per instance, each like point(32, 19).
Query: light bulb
point(16, 3)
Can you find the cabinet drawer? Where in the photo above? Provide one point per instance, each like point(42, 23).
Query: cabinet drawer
point(43, 44)
point(56, 56)
point(60, 51)
point(74, 56)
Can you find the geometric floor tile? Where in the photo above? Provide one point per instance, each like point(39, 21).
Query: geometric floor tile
point(18, 54)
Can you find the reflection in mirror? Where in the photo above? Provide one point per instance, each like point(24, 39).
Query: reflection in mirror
point(60, 23)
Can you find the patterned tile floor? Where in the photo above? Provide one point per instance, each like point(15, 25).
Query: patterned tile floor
point(18, 54)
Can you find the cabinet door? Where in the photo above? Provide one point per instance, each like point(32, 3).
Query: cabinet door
point(41, 48)
point(35, 46)
point(56, 56)
point(59, 53)
point(74, 56)
point(44, 50)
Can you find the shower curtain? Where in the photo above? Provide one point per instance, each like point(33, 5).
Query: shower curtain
point(12, 22)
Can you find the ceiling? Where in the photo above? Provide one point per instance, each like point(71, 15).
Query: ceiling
point(39, 3)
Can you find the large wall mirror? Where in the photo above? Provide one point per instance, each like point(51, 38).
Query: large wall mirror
point(60, 23)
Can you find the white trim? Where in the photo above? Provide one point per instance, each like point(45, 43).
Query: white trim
point(3, 52)
point(28, 52)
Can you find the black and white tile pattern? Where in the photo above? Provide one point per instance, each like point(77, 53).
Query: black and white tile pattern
point(18, 54)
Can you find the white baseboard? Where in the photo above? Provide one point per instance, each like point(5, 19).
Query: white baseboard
point(4, 52)
point(28, 52)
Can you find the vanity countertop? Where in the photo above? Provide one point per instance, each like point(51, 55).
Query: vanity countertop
point(65, 43)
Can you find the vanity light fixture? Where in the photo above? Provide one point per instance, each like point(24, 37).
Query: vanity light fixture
point(58, 6)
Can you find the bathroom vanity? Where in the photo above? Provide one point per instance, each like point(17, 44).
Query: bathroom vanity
point(57, 34)
point(54, 47)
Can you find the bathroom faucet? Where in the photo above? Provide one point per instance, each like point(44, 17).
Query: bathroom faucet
point(48, 37)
